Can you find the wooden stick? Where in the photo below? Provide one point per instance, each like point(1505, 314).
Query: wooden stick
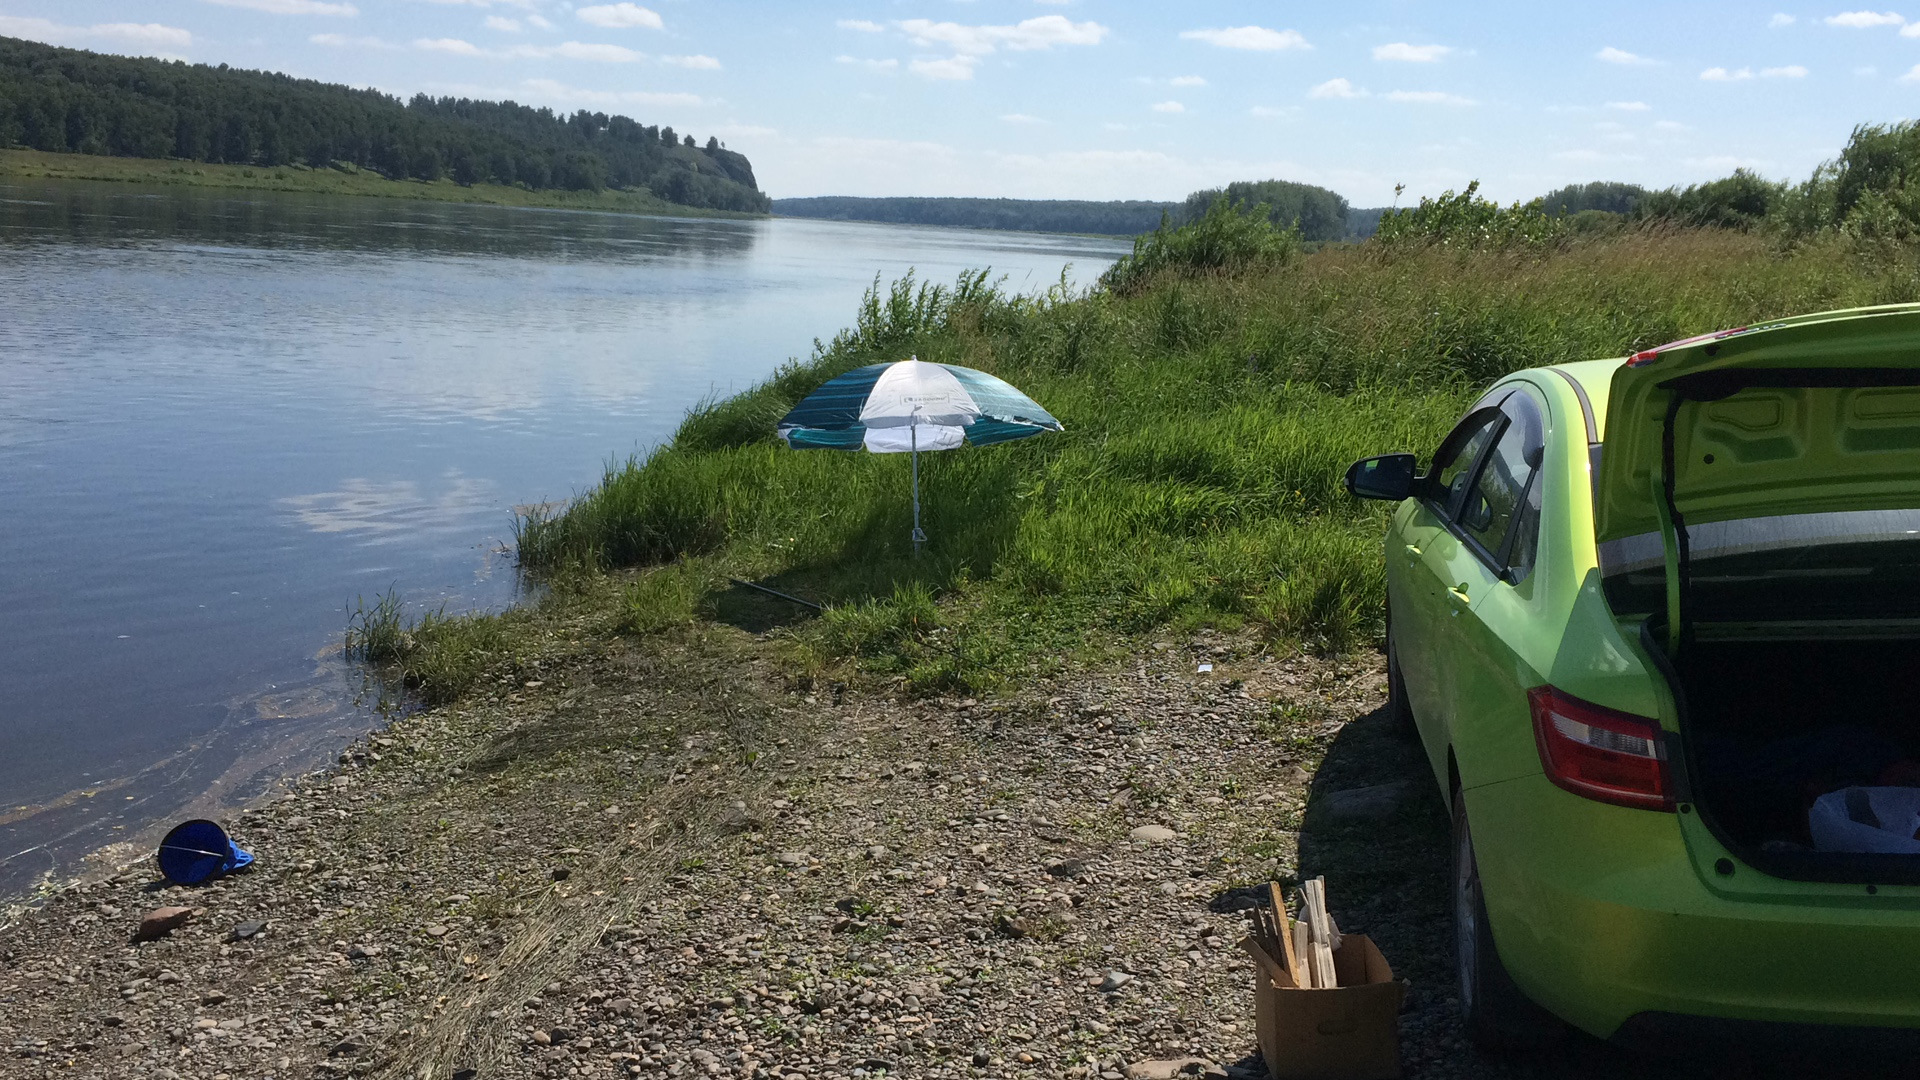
point(1282, 920)
point(1320, 933)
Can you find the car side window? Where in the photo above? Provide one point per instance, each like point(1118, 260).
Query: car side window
point(1459, 453)
point(1501, 508)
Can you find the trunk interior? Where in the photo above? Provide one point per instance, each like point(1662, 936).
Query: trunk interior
point(1773, 724)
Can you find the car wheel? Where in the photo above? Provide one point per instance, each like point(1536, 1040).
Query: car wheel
point(1496, 1014)
point(1397, 706)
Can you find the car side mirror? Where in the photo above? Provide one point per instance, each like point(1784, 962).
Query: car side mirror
point(1389, 477)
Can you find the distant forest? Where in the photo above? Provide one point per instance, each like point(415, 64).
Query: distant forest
point(1322, 214)
point(1017, 215)
point(74, 101)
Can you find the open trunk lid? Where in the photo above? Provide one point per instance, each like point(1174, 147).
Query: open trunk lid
point(1795, 435)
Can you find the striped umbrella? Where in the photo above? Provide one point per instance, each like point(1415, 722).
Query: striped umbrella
point(908, 406)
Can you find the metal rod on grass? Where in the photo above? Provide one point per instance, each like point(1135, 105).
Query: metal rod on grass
point(919, 537)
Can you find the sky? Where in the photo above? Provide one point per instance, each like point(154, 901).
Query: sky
point(1104, 99)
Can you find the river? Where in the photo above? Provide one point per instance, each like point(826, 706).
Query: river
point(227, 417)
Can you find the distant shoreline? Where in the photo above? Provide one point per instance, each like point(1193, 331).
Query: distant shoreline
point(41, 165)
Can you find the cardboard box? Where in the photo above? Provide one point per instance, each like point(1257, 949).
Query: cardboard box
point(1348, 1033)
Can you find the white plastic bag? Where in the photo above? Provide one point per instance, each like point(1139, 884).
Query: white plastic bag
point(1836, 827)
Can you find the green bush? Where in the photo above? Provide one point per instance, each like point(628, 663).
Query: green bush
point(1229, 238)
point(1464, 219)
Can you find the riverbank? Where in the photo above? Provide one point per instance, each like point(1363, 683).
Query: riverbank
point(674, 856)
point(36, 164)
point(999, 810)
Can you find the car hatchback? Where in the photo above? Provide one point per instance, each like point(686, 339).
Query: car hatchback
point(1644, 614)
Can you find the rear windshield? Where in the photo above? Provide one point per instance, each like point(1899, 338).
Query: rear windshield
point(1848, 565)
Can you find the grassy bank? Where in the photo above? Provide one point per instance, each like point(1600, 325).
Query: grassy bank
point(298, 178)
point(1212, 398)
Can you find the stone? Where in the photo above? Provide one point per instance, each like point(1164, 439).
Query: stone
point(792, 858)
point(981, 1058)
point(1151, 834)
point(1170, 1068)
point(1068, 868)
point(167, 978)
point(213, 997)
point(1362, 804)
point(160, 922)
point(541, 1038)
point(1114, 980)
point(561, 873)
point(436, 930)
point(249, 929)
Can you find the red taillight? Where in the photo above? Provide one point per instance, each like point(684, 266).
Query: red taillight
point(1599, 753)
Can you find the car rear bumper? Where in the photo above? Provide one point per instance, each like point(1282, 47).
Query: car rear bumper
point(1600, 916)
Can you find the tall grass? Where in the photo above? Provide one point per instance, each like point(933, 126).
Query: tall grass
point(1209, 418)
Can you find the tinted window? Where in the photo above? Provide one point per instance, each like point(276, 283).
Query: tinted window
point(1500, 489)
point(1453, 465)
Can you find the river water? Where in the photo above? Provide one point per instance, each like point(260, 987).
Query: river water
point(226, 417)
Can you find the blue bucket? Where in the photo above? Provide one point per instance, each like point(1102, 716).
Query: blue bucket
point(198, 851)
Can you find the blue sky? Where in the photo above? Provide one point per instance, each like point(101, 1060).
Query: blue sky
point(1103, 99)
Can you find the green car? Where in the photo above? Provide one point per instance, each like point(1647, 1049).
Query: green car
point(1652, 617)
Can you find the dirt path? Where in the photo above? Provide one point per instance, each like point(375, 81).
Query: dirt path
point(670, 861)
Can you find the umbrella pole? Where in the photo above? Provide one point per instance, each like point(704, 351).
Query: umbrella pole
point(919, 537)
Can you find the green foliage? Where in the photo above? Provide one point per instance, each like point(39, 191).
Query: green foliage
point(1465, 220)
point(438, 655)
point(70, 100)
point(1605, 196)
point(1227, 239)
point(1318, 214)
point(1209, 417)
point(1740, 201)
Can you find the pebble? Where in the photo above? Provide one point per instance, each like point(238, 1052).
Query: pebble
point(1152, 834)
point(160, 922)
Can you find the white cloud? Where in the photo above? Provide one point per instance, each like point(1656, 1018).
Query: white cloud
point(291, 7)
point(1022, 118)
point(539, 21)
point(1910, 30)
point(1269, 110)
point(1629, 106)
point(1253, 38)
point(1720, 74)
point(450, 45)
point(696, 62)
point(1168, 107)
point(1593, 157)
point(344, 41)
point(1791, 71)
point(502, 24)
point(1621, 56)
point(1187, 80)
point(1336, 88)
point(1669, 125)
point(1428, 97)
point(1415, 54)
point(580, 50)
point(954, 68)
point(558, 91)
point(1912, 75)
point(1862, 20)
point(144, 35)
point(871, 65)
point(1043, 32)
point(621, 16)
point(865, 26)
point(1780, 19)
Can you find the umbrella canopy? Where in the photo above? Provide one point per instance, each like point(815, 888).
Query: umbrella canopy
point(912, 405)
point(908, 406)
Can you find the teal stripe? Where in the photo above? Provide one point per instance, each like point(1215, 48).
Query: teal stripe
point(998, 400)
point(838, 402)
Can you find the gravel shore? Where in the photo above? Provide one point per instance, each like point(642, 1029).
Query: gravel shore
point(673, 858)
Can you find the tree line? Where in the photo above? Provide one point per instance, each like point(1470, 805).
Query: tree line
point(1127, 218)
point(1870, 192)
point(75, 101)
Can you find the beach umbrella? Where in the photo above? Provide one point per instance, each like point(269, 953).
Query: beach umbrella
point(908, 406)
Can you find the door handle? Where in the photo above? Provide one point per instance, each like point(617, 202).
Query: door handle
point(1459, 594)
point(1413, 551)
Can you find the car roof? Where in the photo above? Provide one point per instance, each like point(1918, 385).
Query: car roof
point(1592, 380)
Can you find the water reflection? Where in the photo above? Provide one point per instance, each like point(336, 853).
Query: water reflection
point(116, 215)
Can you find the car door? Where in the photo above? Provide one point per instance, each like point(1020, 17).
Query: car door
point(1489, 563)
point(1421, 567)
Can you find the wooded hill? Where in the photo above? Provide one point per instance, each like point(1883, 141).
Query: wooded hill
point(75, 101)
